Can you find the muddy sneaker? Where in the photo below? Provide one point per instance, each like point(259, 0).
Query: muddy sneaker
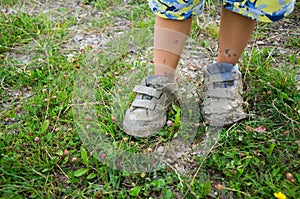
point(223, 103)
point(147, 113)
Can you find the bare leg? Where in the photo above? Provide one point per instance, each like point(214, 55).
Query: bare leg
point(169, 38)
point(166, 60)
point(235, 32)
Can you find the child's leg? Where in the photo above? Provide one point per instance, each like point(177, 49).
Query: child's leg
point(166, 33)
point(235, 32)
point(236, 29)
point(147, 113)
point(223, 103)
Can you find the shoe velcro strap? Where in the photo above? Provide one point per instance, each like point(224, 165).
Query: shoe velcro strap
point(147, 91)
point(221, 77)
point(148, 104)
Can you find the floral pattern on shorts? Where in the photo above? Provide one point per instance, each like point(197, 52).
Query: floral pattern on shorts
point(259, 10)
point(176, 9)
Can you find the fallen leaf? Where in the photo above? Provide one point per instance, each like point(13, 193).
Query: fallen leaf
point(192, 67)
point(66, 152)
point(272, 140)
point(131, 143)
point(286, 133)
point(249, 128)
point(88, 118)
point(242, 155)
point(113, 118)
point(219, 187)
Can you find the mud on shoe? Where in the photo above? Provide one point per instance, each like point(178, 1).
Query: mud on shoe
point(147, 113)
point(223, 102)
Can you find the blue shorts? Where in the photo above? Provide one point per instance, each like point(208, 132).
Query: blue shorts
point(259, 10)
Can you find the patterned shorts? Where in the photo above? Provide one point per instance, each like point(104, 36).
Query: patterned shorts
point(259, 10)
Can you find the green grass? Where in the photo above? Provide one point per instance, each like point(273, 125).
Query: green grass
point(18, 29)
point(43, 156)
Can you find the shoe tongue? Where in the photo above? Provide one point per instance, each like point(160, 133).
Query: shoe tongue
point(219, 68)
point(150, 78)
point(155, 81)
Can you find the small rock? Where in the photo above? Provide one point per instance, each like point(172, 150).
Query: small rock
point(99, 13)
point(283, 51)
point(193, 75)
point(83, 15)
point(160, 149)
point(185, 70)
point(149, 150)
point(260, 42)
point(289, 176)
point(78, 38)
